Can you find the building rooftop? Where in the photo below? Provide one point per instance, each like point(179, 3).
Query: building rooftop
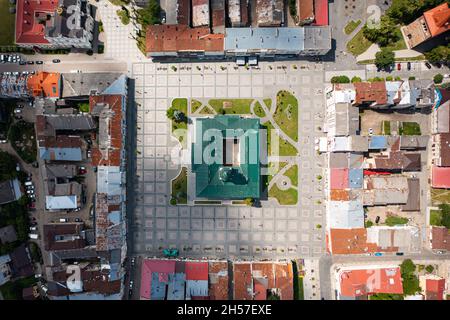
point(31, 17)
point(10, 191)
point(305, 11)
point(233, 172)
point(282, 39)
point(218, 280)
point(440, 177)
point(434, 288)
point(350, 241)
point(321, 12)
point(218, 16)
point(440, 238)
point(438, 19)
point(63, 236)
point(200, 13)
point(44, 84)
point(179, 38)
point(371, 93)
point(356, 283)
point(346, 214)
point(8, 234)
point(269, 13)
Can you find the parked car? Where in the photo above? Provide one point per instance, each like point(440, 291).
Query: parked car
point(377, 219)
point(89, 153)
point(399, 66)
point(77, 209)
point(30, 192)
point(64, 220)
point(370, 131)
point(78, 220)
point(428, 65)
point(133, 260)
point(56, 61)
point(39, 62)
point(408, 65)
point(22, 63)
point(399, 253)
point(378, 254)
point(33, 228)
point(30, 62)
point(17, 110)
point(17, 167)
point(82, 170)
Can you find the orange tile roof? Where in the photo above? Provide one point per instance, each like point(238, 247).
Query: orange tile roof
point(350, 241)
point(44, 84)
point(438, 19)
point(363, 282)
point(115, 131)
point(339, 195)
point(174, 38)
point(284, 280)
point(367, 92)
point(218, 280)
point(242, 278)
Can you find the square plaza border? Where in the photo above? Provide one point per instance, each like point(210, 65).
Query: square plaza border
point(272, 231)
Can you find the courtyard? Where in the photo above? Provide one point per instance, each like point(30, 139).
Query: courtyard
point(220, 230)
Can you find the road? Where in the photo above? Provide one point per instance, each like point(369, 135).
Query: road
point(67, 66)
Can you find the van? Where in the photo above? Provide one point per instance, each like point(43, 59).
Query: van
point(28, 183)
point(63, 220)
point(33, 236)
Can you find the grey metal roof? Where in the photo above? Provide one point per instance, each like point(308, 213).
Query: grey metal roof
point(317, 38)
point(71, 122)
point(282, 39)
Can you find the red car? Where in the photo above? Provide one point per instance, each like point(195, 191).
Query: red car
point(399, 66)
point(82, 170)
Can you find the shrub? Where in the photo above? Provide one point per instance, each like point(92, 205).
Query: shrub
point(340, 79)
point(384, 58)
point(429, 268)
point(438, 78)
point(356, 79)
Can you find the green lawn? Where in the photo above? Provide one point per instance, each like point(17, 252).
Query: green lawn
point(195, 104)
point(181, 105)
point(386, 128)
point(395, 220)
point(7, 37)
point(259, 110)
point(179, 187)
point(435, 218)
point(23, 140)
point(13, 290)
point(400, 44)
point(268, 103)
point(232, 106)
point(285, 148)
point(409, 129)
point(292, 174)
point(359, 44)
point(439, 196)
point(351, 26)
point(287, 197)
point(281, 165)
point(286, 114)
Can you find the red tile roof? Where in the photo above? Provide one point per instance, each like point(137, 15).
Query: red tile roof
point(174, 38)
point(305, 9)
point(363, 282)
point(218, 280)
point(113, 157)
point(242, 277)
point(440, 238)
point(196, 270)
point(28, 14)
point(367, 92)
point(163, 267)
point(435, 289)
point(440, 177)
point(339, 178)
point(321, 12)
point(438, 19)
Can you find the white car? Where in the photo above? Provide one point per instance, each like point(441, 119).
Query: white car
point(370, 131)
point(17, 110)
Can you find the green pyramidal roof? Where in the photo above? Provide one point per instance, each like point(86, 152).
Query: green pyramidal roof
point(225, 157)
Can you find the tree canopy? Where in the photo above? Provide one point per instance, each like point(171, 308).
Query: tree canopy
point(384, 58)
point(386, 34)
point(439, 54)
point(149, 15)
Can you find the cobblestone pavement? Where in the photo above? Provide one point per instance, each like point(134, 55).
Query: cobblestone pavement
point(272, 231)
